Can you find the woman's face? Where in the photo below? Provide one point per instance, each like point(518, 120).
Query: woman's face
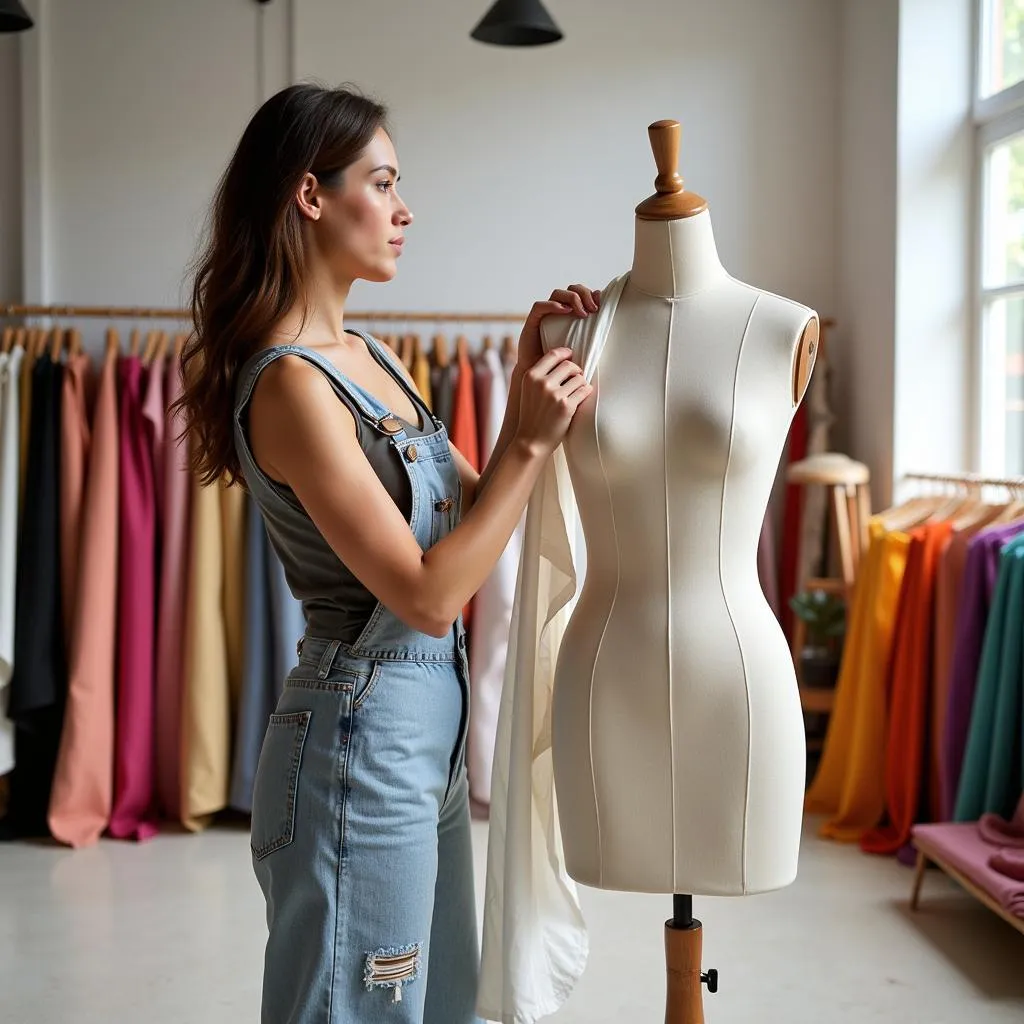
point(361, 225)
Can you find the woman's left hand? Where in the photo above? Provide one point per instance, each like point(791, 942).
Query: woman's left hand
point(577, 300)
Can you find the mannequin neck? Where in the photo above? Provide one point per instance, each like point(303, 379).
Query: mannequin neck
point(673, 258)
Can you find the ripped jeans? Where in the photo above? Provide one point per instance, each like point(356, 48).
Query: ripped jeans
point(361, 838)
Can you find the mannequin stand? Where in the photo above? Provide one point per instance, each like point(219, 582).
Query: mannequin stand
point(685, 997)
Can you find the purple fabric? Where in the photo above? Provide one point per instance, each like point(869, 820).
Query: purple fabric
point(962, 846)
point(979, 582)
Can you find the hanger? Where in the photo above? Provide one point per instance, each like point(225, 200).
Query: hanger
point(32, 344)
point(487, 344)
point(417, 349)
point(407, 350)
point(75, 341)
point(441, 357)
point(152, 340)
point(161, 347)
point(179, 345)
point(908, 514)
point(113, 344)
point(133, 343)
point(509, 347)
point(462, 348)
point(8, 340)
point(56, 344)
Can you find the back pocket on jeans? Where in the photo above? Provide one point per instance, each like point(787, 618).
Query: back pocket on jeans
point(277, 781)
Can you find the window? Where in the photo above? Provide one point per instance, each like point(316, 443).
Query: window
point(999, 119)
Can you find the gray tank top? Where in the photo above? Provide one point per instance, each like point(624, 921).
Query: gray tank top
point(336, 605)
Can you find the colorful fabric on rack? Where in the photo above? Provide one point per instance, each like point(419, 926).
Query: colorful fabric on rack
point(233, 527)
point(134, 812)
point(76, 400)
point(177, 498)
point(38, 690)
point(10, 467)
point(948, 587)
point(492, 607)
point(83, 784)
point(767, 570)
point(992, 776)
point(442, 390)
point(206, 714)
point(464, 433)
point(25, 387)
point(910, 678)
point(850, 783)
point(979, 581)
point(259, 685)
point(420, 373)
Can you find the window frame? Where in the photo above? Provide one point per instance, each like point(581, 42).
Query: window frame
point(996, 118)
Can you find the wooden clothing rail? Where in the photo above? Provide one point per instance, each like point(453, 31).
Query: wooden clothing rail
point(147, 313)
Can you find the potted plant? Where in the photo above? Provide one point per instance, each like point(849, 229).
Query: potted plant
point(824, 616)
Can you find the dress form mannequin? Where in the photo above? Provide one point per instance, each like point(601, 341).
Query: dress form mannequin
point(677, 733)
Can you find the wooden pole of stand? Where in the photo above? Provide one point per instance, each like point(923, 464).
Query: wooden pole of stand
point(684, 1001)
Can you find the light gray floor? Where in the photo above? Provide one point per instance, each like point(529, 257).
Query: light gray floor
point(171, 932)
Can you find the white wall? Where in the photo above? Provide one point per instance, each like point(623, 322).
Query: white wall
point(522, 166)
point(933, 366)
point(862, 350)
point(10, 170)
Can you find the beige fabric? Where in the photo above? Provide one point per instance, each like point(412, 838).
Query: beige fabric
point(534, 937)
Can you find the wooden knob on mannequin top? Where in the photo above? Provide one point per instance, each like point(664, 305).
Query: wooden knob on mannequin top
point(671, 201)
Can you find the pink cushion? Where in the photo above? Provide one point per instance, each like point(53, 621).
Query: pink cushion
point(964, 848)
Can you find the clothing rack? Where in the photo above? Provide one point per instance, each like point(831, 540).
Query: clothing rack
point(147, 313)
point(968, 480)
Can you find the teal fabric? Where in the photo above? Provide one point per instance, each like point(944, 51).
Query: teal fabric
point(993, 773)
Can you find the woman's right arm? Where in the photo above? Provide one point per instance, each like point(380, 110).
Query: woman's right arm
point(304, 436)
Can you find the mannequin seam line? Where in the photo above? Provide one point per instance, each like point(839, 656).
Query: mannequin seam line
point(604, 628)
point(725, 598)
point(668, 580)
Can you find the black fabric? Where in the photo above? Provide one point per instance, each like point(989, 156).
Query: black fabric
point(442, 393)
point(38, 690)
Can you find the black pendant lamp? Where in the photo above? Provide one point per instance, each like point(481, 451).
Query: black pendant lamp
point(13, 17)
point(517, 23)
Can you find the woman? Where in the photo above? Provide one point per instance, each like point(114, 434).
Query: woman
point(360, 824)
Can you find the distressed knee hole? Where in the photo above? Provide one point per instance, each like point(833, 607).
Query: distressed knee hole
point(392, 967)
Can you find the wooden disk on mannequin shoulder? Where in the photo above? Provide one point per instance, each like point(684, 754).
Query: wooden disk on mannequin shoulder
point(803, 362)
point(670, 200)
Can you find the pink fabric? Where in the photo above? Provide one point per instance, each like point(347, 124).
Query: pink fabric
point(1011, 864)
point(134, 816)
point(74, 457)
point(154, 410)
point(999, 832)
point(82, 794)
point(177, 496)
point(963, 847)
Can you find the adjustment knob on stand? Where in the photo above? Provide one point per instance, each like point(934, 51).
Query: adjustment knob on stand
point(710, 978)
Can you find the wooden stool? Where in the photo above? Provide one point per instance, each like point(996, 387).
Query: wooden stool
point(851, 508)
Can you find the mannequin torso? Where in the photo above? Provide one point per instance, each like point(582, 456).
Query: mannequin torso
point(678, 738)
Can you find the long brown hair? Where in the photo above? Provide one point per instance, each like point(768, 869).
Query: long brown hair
point(250, 270)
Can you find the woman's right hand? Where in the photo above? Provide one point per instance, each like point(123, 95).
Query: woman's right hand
point(552, 390)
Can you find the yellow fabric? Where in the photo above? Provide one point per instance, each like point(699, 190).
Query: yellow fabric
point(232, 502)
point(850, 783)
point(25, 398)
point(206, 703)
point(420, 373)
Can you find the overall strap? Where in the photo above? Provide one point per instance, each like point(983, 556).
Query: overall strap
point(391, 364)
point(376, 414)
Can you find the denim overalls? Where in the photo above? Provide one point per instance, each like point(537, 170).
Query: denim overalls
point(360, 822)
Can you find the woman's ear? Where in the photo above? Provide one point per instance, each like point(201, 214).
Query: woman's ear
point(308, 197)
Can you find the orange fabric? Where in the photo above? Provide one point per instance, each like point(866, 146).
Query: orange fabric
point(910, 679)
point(464, 431)
point(850, 783)
point(83, 782)
point(948, 580)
